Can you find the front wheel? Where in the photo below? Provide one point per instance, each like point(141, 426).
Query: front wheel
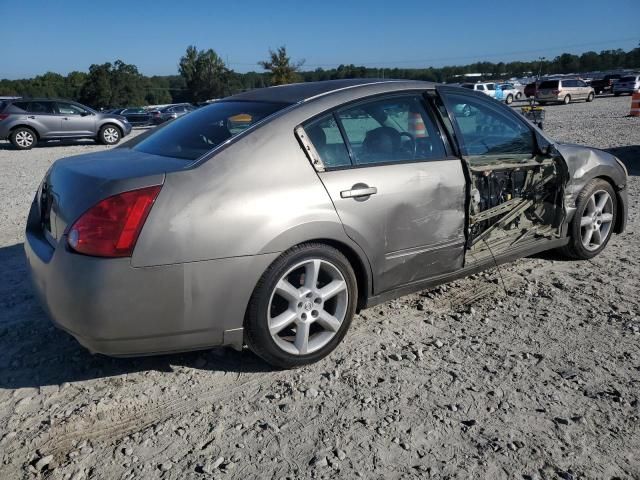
point(23, 138)
point(302, 306)
point(109, 135)
point(595, 217)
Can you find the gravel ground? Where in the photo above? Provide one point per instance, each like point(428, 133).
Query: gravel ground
point(467, 380)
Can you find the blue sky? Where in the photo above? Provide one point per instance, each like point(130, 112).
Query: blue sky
point(61, 36)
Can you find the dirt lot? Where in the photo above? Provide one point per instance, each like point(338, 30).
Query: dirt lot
point(464, 381)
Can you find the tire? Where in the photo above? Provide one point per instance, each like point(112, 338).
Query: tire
point(567, 99)
point(590, 97)
point(518, 95)
point(542, 103)
point(587, 218)
point(23, 138)
point(282, 291)
point(617, 94)
point(109, 134)
point(598, 92)
point(509, 99)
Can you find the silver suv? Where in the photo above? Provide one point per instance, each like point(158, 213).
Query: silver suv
point(24, 122)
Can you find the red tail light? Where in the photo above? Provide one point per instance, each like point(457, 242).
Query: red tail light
point(3, 116)
point(555, 92)
point(111, 227)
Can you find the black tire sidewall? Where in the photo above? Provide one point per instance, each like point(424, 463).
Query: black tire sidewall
point(257, 333)
point(101, 135)
point(575, 247)
point(12, 138)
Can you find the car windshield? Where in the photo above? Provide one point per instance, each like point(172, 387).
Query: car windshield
point(549, 84)
point(191, 136)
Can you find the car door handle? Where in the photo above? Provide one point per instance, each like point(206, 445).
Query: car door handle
point(65, 118)
point(32, 117)
point(359, 191)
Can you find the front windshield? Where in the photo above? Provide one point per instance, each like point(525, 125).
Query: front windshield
point(191, 136)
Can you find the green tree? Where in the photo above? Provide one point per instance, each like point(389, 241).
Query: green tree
point(282, 70)
point(205, 74)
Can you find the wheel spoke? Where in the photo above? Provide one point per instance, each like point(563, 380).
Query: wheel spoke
point(277, 324)
point(328, 321)
point(597, 237)
point(591, 205)
point(604, 198)
point(312, 270)
point(332, 289)
point(287, 291)
point(585, 221)
point(302, 337)
point(607, 217)
point(586, 237)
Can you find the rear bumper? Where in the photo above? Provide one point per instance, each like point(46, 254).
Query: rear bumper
point(115, 309)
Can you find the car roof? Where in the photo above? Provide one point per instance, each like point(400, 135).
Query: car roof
point(299, 92)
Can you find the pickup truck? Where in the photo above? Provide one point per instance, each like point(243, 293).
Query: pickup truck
point(605, 84)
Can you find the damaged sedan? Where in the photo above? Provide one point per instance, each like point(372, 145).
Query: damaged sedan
point(271, 217)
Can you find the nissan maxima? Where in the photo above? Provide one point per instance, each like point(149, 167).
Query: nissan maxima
point(271, 217)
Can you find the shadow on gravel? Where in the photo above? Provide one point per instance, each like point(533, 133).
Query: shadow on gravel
point(630, 156)
point(33, 353)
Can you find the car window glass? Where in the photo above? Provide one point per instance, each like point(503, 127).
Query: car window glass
point(390, 130)
point(581, 83)
point(328, 142)
point(548, 84)
point(486, 130)
point(41, 107)
point(491, 86)
point(191, 136)
point(22, 105)
point(480, 87)
point(69, 109)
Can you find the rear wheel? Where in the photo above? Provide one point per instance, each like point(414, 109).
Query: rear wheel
point(590, 97)
point(302, 306)
point(592, 225)
point(109, 135)
point(23, 138)
point(566, 100)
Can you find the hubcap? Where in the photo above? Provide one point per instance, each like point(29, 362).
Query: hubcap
point(24, 139)
point(307, 307)
point(110, 135)
point(595, 224)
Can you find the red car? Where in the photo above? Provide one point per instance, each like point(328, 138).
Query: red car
point(531, 88)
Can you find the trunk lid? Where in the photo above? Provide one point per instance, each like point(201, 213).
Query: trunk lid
point(73, 185)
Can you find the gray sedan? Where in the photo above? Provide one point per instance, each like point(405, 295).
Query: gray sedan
point(269, 218)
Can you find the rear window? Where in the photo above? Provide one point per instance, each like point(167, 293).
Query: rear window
point(548, 84)
point(628, 79)
point(191, 136)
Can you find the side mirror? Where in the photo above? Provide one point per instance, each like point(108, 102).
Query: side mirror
point(84, 114)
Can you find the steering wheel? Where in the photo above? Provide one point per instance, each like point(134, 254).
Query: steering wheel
point(414, 145)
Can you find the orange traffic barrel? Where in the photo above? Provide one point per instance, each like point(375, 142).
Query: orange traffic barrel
point(635, 105)
point(417, 127)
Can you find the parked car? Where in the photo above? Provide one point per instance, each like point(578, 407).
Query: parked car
point(170, 112)
point(136, 116)
point(510, 92)
point(628, 84)
point(272, 216)
point(564, 91)
point(486, 88)
point(531, 88)
point(25, 122)
point(605, 84)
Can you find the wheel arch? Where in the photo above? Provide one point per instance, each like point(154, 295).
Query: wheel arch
point(620, 218)
point(112, 124)
point(23, 125)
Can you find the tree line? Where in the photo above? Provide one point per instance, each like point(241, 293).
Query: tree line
point(204, 76)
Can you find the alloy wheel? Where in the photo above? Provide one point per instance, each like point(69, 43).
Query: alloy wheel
point(307, 306)
point(24, 139)
point(596, 221)
point(111, 135)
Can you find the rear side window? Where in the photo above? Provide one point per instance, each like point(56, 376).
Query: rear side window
point(479, 87)
point(191, 136)
point(391, 130)
point(327, 140)
point(486, 130)
point(549, 84)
